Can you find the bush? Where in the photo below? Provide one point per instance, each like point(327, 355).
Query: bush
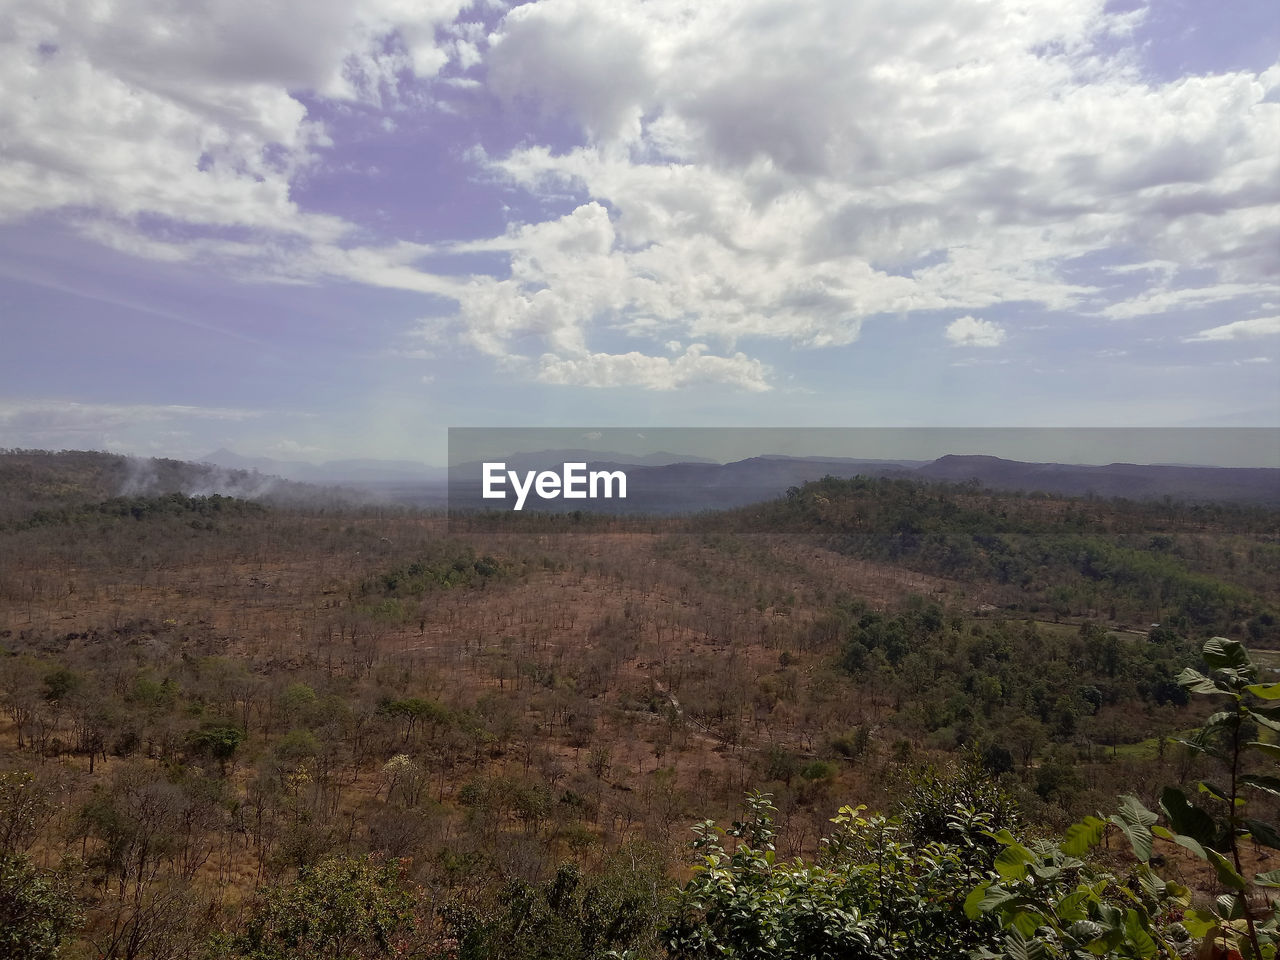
point(874, 893)
point(344, 909)
point(570, 917)
point(37, 912)
point(951, 878)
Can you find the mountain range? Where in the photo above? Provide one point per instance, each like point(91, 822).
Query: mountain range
point(676, 483)
point(685, 486)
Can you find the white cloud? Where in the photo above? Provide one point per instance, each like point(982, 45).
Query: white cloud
point(654, 373)
point(553, 57)
point(187, 111)
point(783, 172)
point(746, 169)
point(1163, 299)
point(972, 332)
point(1239, 330)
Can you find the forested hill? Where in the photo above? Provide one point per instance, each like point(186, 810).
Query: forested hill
point(1195, 567)
point(293, 730)
point(42, 480)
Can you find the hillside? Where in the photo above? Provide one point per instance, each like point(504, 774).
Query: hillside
point(209, 702)
point(42, 480)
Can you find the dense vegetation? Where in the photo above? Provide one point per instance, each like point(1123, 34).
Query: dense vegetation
point(232, 729)
point(1125, 561)
point(951, 876)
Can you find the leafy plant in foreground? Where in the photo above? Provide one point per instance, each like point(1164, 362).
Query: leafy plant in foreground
point(874, 893)
point(37, 911)
point(1215, 832)
point(1052, 904)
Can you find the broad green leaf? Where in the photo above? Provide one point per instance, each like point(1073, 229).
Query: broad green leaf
point(1083, 836)
point(1027, 922)
point(993, 898)
point(1018, 947)
point(1269, 879)
point(1111, 915)
point(1186, 818)
point(1262, 782)
point(1192, 844)
point(1229, 906)
point(1227, 874)
point(1223, 718)
point(1072, 906)
point(1012, 862)
point(1002, 837)
point(1196, 682)
point(1214, 791)
point(1220, 653)
point(1135, 821)
point(1270, 749)
point(1265, 691)
point(1139, 837)
point(1199, 923)
point(1137, 934)
point(1262, 720)
point(1085, 931)
point(1131, 809)
point(972, 903)
point(1152, 885)
point(1264, 832)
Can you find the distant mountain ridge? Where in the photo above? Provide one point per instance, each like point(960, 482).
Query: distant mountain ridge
point(330, 471)
point(1132, 481)
point(553, 459)
point(685, 487)
point(663, 483)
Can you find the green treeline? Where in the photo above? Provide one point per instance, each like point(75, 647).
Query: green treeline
point(1119, 560)
point(450, 566)
point(173, 505)
point(1011, 688)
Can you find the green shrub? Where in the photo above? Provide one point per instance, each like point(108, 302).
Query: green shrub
point(874, 893)
point(345, 909)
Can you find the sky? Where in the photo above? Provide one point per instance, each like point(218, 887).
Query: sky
point(321, 229)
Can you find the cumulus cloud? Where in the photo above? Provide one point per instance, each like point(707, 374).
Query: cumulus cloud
point(1239, 330)
point(553, 56)
point(972, 332)
point(635, 369)
point(740, 170)
point(791, 173)
point(187, 112)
